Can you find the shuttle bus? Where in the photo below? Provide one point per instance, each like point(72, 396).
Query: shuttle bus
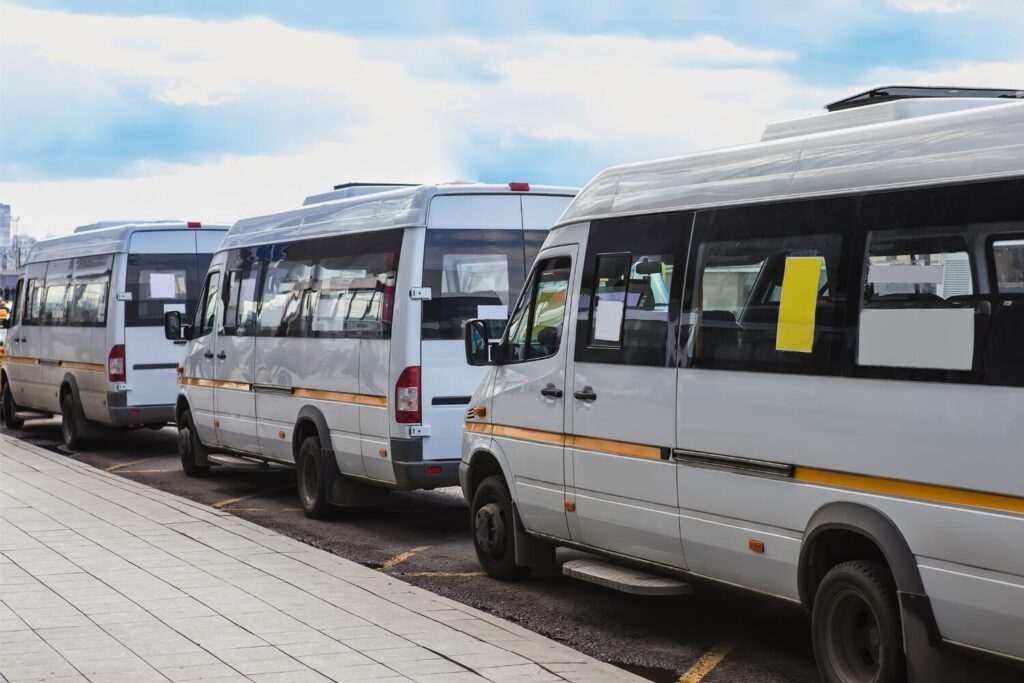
point(329, 338)
point(85, 337)
point(795, 367)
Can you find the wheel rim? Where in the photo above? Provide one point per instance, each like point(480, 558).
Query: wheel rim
point(490, 531)
point(855, 638)
point(309, 480)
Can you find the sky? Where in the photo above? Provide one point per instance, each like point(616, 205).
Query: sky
point(213, 111)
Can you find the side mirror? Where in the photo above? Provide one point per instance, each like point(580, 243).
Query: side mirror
point(477, 343)
point(172, 326)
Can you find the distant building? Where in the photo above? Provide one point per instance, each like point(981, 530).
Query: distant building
point(5, 237)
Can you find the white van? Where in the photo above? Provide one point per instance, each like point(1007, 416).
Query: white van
point(85, 335)
point(329, 337)
point(795, 367)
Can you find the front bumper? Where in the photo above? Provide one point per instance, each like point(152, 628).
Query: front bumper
point(411, 470)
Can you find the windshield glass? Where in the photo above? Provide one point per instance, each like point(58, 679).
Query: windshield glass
point(471, 274)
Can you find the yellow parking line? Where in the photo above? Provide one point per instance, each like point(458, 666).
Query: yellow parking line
point(114, 468)
point(231, 501)
point(402, 557)
point(707, 662)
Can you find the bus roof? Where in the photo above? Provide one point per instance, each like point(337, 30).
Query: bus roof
point(978, 143)
point(103, 238)
point(403, 207)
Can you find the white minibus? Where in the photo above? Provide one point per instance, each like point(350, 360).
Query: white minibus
point(329, 338)
point(85, 337)
point(795, 367)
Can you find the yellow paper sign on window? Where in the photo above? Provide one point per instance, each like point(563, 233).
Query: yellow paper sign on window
point(798, 303)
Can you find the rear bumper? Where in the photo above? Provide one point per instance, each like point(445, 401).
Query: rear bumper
point(413, 472)
point(123, 415)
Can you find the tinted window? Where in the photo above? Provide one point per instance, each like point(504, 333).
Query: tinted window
point(356, 285)
point(1008, 257)
point(768, 288)
point(533, 240)
point(19, 299)
point(58, 277)
point(287, 290)
point(206, 313)
point(241, 293)
point(471, 274)
point(160, 283)
point(630, 297)
point(36, 290)
point(535, 328)
point(87, 299)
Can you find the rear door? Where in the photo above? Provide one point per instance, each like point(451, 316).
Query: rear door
point(164, 274)
point(477, 250)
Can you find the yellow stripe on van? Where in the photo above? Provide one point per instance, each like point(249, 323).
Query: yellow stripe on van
point(365, 399)
point(23, 360)
point(798, 304)
point(214, 383)
point(75, 365)
point(585, 443)
point(908, 489)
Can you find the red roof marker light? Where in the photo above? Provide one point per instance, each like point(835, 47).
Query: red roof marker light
point(194, 224)
point(519, 187)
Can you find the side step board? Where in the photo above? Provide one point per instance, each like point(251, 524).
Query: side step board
point(32, 415)
point(625, 579)
point(237, 462)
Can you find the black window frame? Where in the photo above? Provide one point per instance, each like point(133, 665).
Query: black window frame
point(663, 233)
point(199, 327)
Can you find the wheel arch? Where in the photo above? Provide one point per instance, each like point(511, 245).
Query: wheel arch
point(180, 406)
point(487, 459)
point(845, 523)
point(311, 422)
point(68, 384)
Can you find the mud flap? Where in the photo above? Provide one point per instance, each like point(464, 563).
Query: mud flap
point(531, 552)
point(345, 492)
point(928, 659)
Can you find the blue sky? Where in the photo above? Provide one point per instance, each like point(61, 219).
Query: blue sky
point(230, 108)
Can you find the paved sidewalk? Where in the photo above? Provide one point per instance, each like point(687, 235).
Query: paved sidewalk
point(104, 579)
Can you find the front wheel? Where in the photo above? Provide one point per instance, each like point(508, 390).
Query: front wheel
point(855, 625)
point(311, 480)
point(8, 408)
point(493, 530)
point(190, 448)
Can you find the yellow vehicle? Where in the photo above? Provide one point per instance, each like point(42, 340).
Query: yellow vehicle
point(3, 330)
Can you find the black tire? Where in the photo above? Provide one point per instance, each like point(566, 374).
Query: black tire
point(855, 625)
point(8, 407)
point(72, 423)
point(190, 447)
point(493, 531)
point(312, 483)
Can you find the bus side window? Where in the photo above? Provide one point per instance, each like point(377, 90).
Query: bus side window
point(19, 300)
point(1003, 355)
point(918, 308)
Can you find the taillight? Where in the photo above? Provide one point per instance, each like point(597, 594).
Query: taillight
point(388, 311)
point(115, 364)
point(407, 396)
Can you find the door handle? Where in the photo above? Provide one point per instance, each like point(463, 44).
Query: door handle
point(208, 354)
point(585, 394)
point(551, 391)
point(221, 355)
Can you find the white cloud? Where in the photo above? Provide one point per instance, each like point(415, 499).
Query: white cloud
point(937, 6)
point(405, 110)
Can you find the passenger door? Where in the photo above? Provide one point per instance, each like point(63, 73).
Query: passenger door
point(528, 399)
point(26, 377)
point(235, 358)
point(622, 393)
point(199, 367)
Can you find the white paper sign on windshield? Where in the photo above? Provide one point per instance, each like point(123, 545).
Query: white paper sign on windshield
point(162, 286)
point(608, 320)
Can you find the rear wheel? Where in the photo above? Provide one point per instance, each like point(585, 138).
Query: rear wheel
point(311, 480)
point(72, 423)
point(8, 408)
point(855, 625)
point(493, 530)
point(190, 448)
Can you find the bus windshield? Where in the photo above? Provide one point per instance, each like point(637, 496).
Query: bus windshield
point(471, 274)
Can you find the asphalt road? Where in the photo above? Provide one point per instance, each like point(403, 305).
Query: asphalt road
point(713, 635)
